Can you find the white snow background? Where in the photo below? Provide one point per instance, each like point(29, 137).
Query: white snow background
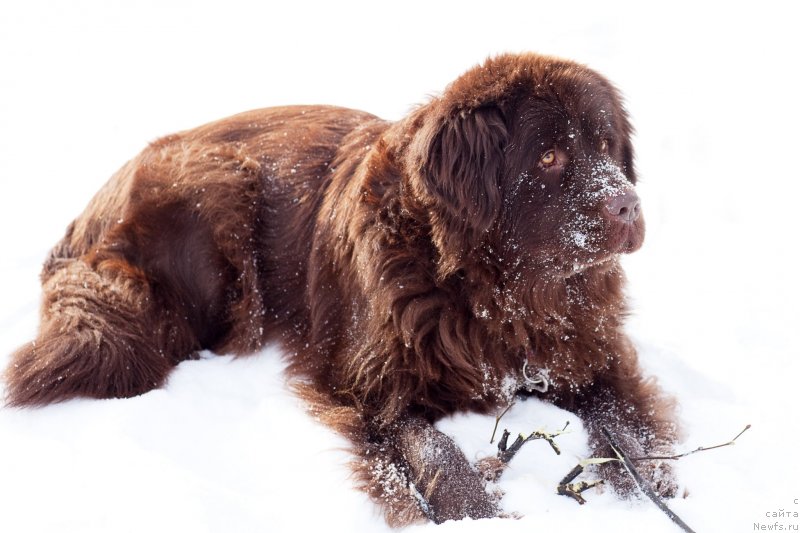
point(712, 89)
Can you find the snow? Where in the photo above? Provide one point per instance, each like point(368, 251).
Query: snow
point(711, 89)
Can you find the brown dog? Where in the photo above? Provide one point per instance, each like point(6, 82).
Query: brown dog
point(445, 262)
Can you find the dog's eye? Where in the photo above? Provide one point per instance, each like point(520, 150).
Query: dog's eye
point(548, 159)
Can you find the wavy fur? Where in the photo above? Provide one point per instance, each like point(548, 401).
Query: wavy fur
point(410, 270)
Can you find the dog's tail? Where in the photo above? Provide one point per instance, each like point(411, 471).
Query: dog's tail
point(99, 336)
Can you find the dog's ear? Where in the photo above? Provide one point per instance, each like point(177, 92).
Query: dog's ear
point(628, 165)
point(461, 168)
point(625, 129)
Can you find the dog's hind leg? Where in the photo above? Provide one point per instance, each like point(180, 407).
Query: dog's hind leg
point(99, 337)
point(117, 317)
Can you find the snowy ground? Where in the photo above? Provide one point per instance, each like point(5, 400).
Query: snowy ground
point(224, 447)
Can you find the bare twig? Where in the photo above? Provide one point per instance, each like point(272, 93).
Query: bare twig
point(497, 420)
point(574, 490)
point(505, 453)
point(643, 485)
point(575, 472)
point(700, 449)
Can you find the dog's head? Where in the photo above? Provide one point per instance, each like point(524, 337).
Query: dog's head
point(528, 159)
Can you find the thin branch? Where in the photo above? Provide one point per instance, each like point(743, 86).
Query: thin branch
point(497, 420)
point(548, 437)
point(643, 485)
point(574, 490)
point(505, 453)
point(575, 472)
point(700, 449)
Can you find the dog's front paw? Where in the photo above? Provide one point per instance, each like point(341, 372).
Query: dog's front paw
point(658, 473)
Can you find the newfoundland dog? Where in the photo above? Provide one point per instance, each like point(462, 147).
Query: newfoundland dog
point(445, 262)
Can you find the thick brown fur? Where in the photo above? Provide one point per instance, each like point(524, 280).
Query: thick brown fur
point(410, 270)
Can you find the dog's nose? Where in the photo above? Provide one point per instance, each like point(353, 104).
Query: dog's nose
point(625, 207)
